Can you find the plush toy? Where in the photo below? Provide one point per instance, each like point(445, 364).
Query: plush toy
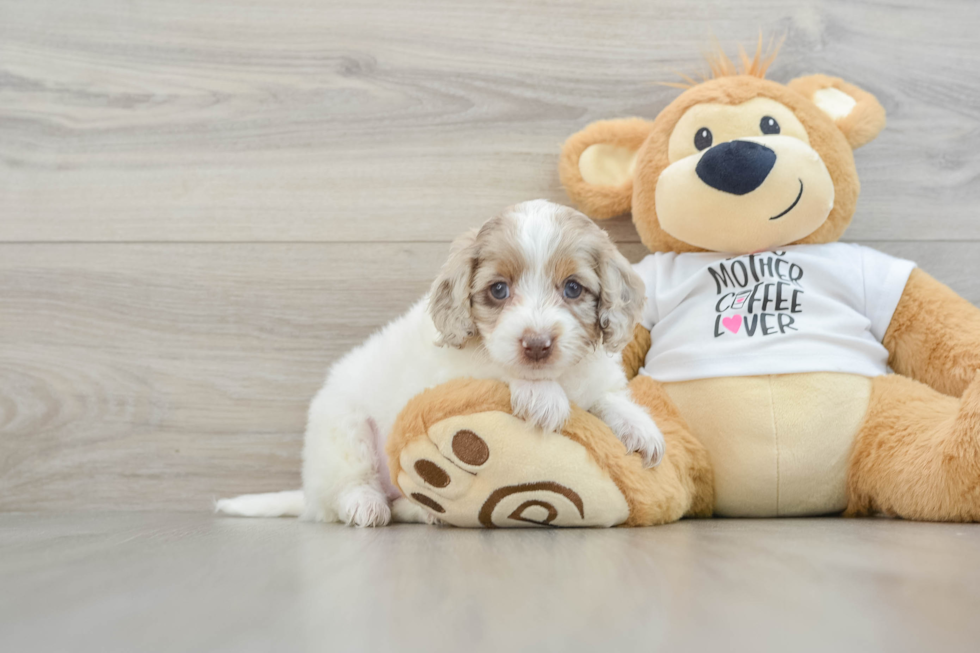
point(790, 374)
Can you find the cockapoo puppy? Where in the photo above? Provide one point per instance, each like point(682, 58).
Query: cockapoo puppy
point(538, 297)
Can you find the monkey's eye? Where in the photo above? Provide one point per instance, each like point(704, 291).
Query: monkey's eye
point(500, 291)
point(573, 289)
point(702, 140)
point(768, 125)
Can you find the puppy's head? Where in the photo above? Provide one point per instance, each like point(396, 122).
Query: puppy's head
point(539, 286)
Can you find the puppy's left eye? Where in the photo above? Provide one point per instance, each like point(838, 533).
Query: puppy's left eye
point(572, 289)
point(499, 291)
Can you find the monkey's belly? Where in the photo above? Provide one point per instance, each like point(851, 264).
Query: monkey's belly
point(779, 444)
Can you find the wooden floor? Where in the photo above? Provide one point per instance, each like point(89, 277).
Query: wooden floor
point(202, 204)
point(191, 582)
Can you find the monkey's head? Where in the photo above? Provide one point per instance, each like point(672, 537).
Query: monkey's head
point(735, 164)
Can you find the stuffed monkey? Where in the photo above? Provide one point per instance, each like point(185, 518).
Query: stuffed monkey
point(791, 374)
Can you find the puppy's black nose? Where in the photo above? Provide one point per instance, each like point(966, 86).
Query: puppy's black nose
point(537, 347)
point(736, 167)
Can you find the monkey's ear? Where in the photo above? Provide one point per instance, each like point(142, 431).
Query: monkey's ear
point(857, 113)
point(596, 166)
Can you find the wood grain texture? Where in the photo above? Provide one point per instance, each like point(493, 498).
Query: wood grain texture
point(123, 582)
point(203, 204)
point(326, 121)
point(162, 376)
point(165, 375)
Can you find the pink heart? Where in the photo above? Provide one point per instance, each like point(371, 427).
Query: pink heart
point(733, 323)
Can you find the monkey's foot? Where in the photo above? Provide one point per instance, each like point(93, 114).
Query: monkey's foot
point(470, 462)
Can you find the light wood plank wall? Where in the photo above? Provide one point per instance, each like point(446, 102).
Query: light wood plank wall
point(202, 204)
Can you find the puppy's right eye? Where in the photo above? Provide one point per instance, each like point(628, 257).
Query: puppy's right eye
point(499, 291)
point(573, 289)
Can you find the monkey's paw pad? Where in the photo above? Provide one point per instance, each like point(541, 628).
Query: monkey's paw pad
point(492, 469)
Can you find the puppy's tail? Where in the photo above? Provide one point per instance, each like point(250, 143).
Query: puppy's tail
point(270, 504)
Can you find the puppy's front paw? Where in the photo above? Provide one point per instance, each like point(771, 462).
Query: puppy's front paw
point(363, 506)
point(634, 427)
point(542, 403)
point(644, 438)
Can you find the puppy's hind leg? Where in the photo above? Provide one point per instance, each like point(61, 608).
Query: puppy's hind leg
point(341, 475)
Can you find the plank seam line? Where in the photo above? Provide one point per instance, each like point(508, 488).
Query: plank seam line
point(383, 242)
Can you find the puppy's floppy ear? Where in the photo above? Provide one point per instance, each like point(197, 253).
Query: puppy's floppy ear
point(620, 298)
point(857, 113)
point(596, 166)
point(449, 298)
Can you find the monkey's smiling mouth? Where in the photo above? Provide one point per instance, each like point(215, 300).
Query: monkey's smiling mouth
point(791, 206)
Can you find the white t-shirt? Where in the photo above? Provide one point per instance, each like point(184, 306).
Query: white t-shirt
point(803, 308)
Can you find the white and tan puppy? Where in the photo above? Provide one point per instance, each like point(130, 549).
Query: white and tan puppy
point(538, 297)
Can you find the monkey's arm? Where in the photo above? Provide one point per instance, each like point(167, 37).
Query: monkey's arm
point(636, 352)
point(934, 336)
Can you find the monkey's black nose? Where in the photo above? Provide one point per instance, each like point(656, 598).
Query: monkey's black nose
point(736, 167)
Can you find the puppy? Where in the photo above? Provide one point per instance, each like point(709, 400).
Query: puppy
point(538, 297)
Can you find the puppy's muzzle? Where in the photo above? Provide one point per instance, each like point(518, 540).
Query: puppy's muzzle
point(536, 346)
